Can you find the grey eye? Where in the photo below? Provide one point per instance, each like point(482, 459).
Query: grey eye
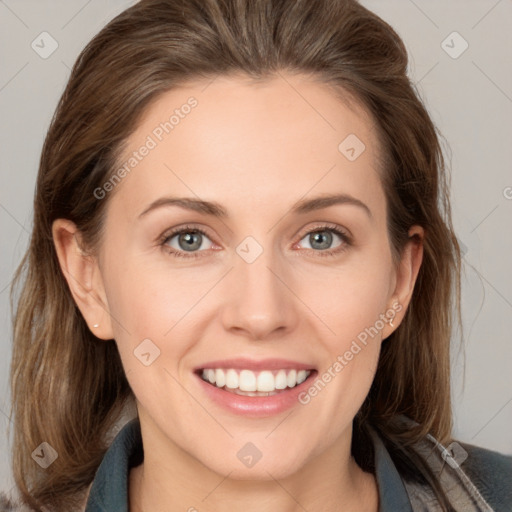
point(321, 240)
point(188, 241)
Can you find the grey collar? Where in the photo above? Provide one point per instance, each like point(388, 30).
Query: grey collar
point(445, 464)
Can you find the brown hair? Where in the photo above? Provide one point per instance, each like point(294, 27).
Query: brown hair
point(68, 387)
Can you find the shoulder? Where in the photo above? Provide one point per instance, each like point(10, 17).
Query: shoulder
point(491, 473)
point(8, 505)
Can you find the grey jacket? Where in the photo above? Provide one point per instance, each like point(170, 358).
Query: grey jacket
point(474, 479)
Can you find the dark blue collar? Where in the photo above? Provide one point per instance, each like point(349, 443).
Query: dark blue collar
point(392, 493)
point(109, 491)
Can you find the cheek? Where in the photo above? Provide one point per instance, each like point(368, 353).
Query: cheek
point(148, 309)
point(351, 304)
point(148, 300)
point(349, 299)
point(354, 313)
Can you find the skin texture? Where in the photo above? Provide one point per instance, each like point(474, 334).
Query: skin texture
point(256, 149)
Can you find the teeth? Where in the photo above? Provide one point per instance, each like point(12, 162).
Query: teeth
point(231, 379)
point(281, 380)
point(251, 383)
point(301, 376)
point(247, 381)
point(291, 378)
point(220, 378)
point(265, 382)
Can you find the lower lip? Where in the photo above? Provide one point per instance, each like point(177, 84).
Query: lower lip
point(256, 406)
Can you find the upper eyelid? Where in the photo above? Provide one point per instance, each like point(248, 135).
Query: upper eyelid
point(326, 226)
point(171, 233)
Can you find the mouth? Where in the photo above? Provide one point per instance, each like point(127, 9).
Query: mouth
point(244, 382)
point(254, 389)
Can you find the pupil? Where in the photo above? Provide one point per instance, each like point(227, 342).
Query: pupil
point(192, 240)
point(318, 237)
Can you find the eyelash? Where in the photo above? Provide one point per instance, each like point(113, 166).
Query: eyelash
point(344, 236)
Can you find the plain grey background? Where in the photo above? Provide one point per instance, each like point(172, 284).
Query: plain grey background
point(461, 55)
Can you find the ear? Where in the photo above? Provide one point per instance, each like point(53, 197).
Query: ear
point(406, 274)
point(83, 276)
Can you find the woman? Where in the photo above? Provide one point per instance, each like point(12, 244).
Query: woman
point(242, 233)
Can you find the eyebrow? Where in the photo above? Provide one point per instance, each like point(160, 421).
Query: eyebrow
point(216, 210)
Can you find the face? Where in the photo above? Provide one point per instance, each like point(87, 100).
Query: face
point(252, 273)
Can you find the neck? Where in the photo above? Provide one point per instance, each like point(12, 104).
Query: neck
point(330, 482)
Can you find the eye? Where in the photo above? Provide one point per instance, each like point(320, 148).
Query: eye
point(187, 239)
point(191, 241)
point(322, 238)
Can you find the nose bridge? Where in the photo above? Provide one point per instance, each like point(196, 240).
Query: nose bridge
point(259, 302)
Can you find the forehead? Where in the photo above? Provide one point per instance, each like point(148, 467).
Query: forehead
point(255, 142)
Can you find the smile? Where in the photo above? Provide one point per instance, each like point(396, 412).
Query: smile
point(254, 389)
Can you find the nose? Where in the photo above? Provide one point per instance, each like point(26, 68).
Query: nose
point(259, 302)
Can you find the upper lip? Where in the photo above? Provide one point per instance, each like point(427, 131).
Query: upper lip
point(242, 363)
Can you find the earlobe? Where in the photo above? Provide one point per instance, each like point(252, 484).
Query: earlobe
point(83, 276)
